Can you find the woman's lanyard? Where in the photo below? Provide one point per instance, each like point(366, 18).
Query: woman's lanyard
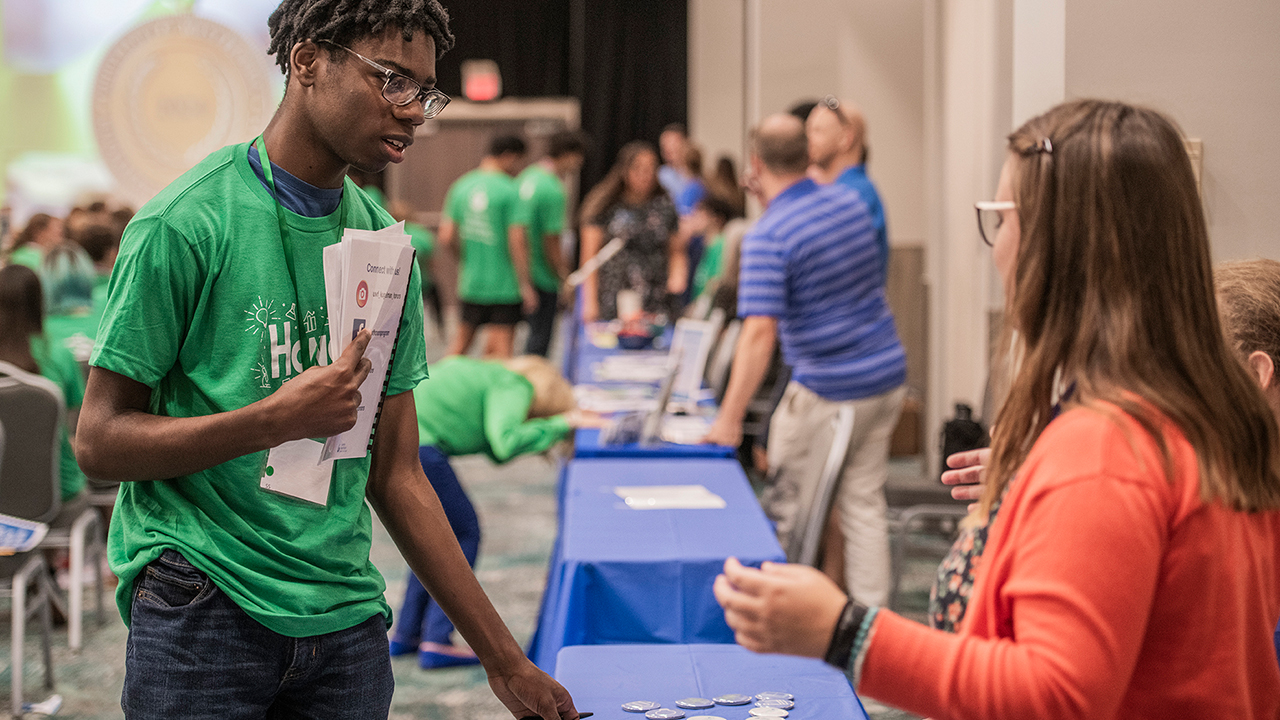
point(261, 144)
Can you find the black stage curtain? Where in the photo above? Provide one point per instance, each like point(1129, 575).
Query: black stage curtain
point(625, 60)
point(529, 39)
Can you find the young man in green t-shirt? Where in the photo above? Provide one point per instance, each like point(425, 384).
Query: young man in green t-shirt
point(536, 225)
point(477, 215)
point(213, 365)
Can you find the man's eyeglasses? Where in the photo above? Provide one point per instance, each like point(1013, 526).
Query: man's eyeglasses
point(400, 90)
point(990, 217)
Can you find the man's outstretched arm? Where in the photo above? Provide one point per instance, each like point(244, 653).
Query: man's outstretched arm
point(411, 512)
point(750, 364)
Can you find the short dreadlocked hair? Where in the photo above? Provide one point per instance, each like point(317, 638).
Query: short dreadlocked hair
point(342, 21)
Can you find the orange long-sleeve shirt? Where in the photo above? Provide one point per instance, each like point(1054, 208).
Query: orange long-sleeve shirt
point(1106, 591)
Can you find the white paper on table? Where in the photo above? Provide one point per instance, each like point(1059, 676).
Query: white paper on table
point(606, 400)
point(685, 429)
point(298, 469)
point(373, 267)
point(669, 497)
point(649, 367)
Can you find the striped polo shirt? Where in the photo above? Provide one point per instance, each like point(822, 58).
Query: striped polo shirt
point(811, 261)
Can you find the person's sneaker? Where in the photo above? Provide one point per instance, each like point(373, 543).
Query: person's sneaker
point(398, 648)
point(434, 655)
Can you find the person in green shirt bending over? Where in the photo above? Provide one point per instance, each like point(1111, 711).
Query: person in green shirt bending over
point(477, 213)
point(535, 231)
point(469, 407)
point(214, 371)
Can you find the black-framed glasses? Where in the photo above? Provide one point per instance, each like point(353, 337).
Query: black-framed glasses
point(991, 217)
point(400, 90)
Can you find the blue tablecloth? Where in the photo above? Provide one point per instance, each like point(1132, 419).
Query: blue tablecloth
point(586, 444)
point(644, 576)
point(601, 678)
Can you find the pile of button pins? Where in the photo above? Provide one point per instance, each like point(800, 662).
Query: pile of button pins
point(767, 705)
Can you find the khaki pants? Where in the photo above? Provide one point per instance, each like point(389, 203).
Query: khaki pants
point(800, 438)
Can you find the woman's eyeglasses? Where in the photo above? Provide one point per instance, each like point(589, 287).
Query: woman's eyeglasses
point(400, 90)
point(990, 217)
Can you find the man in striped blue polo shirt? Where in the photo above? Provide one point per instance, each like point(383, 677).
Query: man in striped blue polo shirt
point(811, 276)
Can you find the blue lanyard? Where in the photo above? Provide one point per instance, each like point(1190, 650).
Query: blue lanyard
point(261, 144)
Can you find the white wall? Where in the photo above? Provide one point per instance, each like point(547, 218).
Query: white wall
point(870, 51)
point(717, 77)
point(1215, 67)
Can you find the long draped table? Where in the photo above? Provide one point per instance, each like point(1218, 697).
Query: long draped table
point(620, 575)
point(601, 678)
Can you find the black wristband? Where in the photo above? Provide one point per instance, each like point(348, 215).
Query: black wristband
point(846, 632)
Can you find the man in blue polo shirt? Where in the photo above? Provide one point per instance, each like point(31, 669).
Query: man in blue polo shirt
point(812, 277)
point(837, 135)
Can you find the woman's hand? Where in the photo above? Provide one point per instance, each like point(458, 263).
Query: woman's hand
point(780, 608)
point(968, 472)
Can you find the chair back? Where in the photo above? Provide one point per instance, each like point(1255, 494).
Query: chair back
point(31, 412)
point(722, 359)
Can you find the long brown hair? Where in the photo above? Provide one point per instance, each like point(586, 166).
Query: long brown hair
point(610, 189)
point(1114, 290)
point(21, 315)
point(34, 227)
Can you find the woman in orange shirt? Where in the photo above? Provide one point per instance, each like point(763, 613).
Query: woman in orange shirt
point(1132, 569)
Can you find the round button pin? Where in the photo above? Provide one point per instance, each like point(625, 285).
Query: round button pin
point(639, 706)
point(772, 695)
point(665, 714)
point(705, 717)
point(771, 712)
point(770, 702)
point(695, 703)
point(733, 699)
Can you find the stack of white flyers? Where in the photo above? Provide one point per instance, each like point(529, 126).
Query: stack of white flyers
point(366, 277)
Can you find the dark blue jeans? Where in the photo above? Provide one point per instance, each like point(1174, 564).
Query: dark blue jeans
point(193, 653)
point(542, 323)
point(420, 618)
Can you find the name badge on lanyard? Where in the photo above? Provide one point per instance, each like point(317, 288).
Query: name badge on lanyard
point(295, 468)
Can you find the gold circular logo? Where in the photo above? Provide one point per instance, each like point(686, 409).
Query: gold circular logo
point(169, 93)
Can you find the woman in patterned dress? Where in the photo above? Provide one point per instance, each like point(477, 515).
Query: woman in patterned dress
point(630, 204)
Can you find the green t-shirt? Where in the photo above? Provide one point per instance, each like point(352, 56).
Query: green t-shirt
point(424, 242)
point(101, 283)
point(76, 333)
point(709, 266)
point(57, 364)
point(202, 310)
point(29, 255)
point(376, 195)
point(474, 406)
point(540, 209)
point(480, 204)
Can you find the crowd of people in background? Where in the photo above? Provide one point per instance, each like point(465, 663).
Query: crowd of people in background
point(53, 286)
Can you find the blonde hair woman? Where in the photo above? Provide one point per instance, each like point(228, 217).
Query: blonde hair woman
point(1132, 569)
